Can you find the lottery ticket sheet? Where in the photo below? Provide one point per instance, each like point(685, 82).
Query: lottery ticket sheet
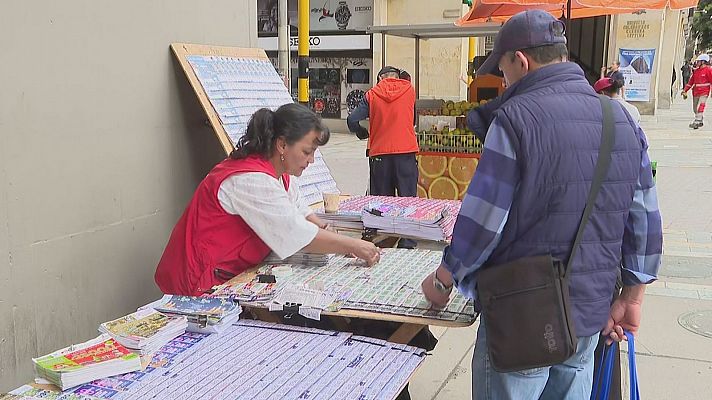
point(236, 88)
point(259, 360)
point(391, 286)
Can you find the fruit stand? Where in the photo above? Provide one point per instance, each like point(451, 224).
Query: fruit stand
point(449, 151)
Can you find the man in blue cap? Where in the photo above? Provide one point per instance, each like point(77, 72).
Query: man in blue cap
point(528, 196)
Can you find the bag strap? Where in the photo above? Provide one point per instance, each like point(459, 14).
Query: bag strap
point(602, 164)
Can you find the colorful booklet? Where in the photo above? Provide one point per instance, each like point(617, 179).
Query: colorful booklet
point(189, 305)
point(98, 358)
point(145, 330)
point(204, 314)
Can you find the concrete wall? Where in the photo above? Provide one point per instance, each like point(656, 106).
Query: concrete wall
point(669, 49)
point(442, 61)
point(102, 143)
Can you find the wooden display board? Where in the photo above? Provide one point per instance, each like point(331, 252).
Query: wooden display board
point(231, 84)
point(183, 50)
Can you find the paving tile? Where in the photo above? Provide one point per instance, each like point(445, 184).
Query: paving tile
point(680, 293)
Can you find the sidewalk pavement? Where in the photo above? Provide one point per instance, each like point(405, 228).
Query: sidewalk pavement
point(674, 347)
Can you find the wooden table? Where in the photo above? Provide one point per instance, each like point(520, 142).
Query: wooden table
point(409, 326)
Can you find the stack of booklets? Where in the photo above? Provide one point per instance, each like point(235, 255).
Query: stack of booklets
point(145, 331)
point(344, 219)
point(204, 314)
point(352, 210)
point(413, 218)
point(299, 258)
point(78, 364)
point(245, 292)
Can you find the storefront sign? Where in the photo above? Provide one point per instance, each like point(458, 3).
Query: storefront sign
point(324, 15)
point(637, 67)
point(321, 43)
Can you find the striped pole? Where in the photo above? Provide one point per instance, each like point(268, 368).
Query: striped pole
point(303, 59)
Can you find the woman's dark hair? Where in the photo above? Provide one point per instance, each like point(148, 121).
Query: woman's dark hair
point(291, 122)
point(615, 87)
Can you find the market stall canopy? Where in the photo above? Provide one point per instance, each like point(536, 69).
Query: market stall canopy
point(502, 10)
point(640, 4)
point(613, 4)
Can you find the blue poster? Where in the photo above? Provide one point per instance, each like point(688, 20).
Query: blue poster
point(637, 67)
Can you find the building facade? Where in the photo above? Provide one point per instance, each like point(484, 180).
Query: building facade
point(344, 59)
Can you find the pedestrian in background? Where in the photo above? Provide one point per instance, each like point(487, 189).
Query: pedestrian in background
point(700, 83)
point(615, 73)
point(392, 144)
point(612, 89)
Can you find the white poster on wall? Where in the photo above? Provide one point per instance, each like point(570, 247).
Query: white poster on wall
point(637, 67)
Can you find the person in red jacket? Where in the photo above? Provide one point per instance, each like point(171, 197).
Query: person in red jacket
point(392, 144)
point(249, 205)
point(700, 83)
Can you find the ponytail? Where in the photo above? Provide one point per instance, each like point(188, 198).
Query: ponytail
point(291, 122)
point(259, 136)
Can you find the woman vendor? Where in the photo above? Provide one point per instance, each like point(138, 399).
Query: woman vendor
point(247, 206)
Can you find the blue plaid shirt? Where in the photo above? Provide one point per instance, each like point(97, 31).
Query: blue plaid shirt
point(489, 198)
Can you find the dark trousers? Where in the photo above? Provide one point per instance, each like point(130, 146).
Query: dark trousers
point(394, 174)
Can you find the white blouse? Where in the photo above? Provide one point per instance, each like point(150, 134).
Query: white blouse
point(277, 216)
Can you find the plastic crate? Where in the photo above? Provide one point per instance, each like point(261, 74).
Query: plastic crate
point(447, 143)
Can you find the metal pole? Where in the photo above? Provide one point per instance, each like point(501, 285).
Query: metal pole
point(417, 67)
point(383, 50)
point(568, 24)
point(303, 59)
point(283, 39)
point(471, 51)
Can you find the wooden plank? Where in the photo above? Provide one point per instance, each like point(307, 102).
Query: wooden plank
point(264, 314)
point(182, 50)
point(405, 333)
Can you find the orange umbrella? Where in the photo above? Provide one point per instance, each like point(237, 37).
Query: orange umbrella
point(618, 4)
point(640, 4)
point(502, 10)
point(487, 11)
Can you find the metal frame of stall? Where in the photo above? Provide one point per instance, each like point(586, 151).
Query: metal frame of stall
point(429, 31)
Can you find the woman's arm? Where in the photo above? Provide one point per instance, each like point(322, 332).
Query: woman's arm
point(317, 221)
point(267, 208)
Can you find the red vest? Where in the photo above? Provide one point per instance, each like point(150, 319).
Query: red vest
point(208, 238)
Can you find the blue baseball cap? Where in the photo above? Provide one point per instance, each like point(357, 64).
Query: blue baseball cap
point(532, 28)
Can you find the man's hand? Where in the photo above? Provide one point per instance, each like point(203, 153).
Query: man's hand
point(438, 298)
point(625, 314)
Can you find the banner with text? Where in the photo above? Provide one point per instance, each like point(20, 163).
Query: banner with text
point(637, 67)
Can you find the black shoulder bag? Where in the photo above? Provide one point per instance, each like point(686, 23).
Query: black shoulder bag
point(525, 303)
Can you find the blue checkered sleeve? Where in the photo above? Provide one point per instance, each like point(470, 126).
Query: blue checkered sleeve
point(643, 236)
point(484, 210)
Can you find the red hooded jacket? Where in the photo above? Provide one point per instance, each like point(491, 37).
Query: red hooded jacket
point(391, 111)
point(700, 82)
point(206, 238)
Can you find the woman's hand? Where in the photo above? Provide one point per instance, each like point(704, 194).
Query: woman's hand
point(366, 251)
